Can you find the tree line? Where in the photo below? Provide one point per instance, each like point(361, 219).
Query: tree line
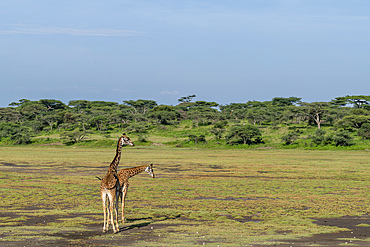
point(22, 120)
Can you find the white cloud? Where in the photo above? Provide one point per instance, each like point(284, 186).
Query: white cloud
point(70, 31)
point(169, 92)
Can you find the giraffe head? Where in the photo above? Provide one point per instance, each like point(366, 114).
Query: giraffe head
point(125, 140)
point(149, 170)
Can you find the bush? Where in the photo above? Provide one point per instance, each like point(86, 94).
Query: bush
point(15, 132)
point(217, 132)
point(142, 138)
point(364, 131)
point(343, 138)
point(138, 128)
point(218, 129)
point(290, 138)
point(36, 126)
point(243, 133)
point(220, 124)
point(319, 136)
point(196, 139)
point(75, 136)
point(20, 138)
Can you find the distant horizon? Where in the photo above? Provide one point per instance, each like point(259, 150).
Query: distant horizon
point(177, 102)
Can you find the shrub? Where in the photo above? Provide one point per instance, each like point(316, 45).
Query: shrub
point(142, 138)
point(70, 137)
point(15, 132)
point(138, 128)
point(364, 131)
point(343, 138)
point(196, 139)
point(319, 136)
point(244, 133)
point(217, 132)
point(290, 138)
point(220, 124)
point(21, 138)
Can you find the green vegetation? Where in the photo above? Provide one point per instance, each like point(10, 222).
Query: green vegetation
point(226, 197)
point(343, 122)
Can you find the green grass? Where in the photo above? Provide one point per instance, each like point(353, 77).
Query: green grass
point(220, 196)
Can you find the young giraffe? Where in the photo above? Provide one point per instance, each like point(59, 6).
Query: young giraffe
point(123, 177)
point(109, 186)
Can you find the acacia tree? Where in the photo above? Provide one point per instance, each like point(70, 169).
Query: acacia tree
point(52, 104)
point(353, 121)
point(140, 106)
point(187, 99)
point(256, 115)
point(121, 118)
point(33, 110)
point(83, 120)
point(203, 112)
point(316, 111)
point(234, 110)
point(79, 105)
point(20, 102)
point(164, 114)
point(292, 114)
point(50, 119)
point(98, 122)
point(10, 114)
point(280, 101)
point(358, 101)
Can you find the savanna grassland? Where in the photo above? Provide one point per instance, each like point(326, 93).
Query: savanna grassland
point(216, 197)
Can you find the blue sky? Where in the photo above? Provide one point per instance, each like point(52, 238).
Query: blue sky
point(222, 51)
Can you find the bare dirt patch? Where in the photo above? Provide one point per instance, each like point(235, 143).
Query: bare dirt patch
point(129, 234)
point(355, 236)
point(133, 231)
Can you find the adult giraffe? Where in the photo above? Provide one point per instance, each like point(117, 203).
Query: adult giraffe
point(109, 186)
point(123, 177)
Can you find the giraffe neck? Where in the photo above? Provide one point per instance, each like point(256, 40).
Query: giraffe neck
point(135, 170)
point(117, 158)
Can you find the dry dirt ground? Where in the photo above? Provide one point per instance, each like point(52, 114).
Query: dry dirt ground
point(134, 233)
point(353, 237)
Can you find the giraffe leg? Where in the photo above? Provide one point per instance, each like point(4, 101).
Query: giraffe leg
point(124, 193)
point(108, 212)
point(116, 209)
point(111, 205)
point(105, 227)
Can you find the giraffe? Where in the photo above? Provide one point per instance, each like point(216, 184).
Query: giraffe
point(109, 186)
point(123, 176)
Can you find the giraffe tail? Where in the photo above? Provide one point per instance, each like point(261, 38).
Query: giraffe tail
point(98, 177)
